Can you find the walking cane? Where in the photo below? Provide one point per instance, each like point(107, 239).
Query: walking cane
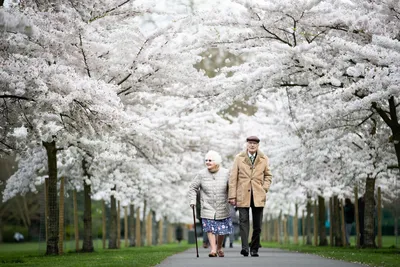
point(195, 232)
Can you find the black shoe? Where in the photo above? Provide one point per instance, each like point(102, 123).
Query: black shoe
point(244, 252)
point(254, 253)
point(231, 245)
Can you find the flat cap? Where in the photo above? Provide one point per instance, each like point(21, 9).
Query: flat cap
point(253, 138)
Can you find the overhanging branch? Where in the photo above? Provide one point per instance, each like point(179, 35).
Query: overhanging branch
point(17, 97)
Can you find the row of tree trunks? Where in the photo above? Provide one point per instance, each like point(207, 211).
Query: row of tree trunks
point(54, 214)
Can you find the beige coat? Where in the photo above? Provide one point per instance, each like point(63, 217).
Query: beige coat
point(245, 178)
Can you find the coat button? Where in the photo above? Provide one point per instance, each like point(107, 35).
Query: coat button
point(249, 190)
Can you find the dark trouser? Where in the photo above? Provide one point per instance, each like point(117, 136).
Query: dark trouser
point(245, 226)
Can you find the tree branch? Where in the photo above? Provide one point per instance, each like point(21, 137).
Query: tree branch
point(133, 63)
point(84, 55)
point(109, 10)
point(383, 115)
point(17, 97)
point(393, 113)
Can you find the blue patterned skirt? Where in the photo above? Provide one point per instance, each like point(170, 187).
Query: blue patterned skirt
point(218, 227)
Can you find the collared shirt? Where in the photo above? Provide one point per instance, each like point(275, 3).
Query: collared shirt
point(252, 157)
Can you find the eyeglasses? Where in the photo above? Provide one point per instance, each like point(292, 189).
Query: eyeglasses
point(252, 143)
point(208, 160)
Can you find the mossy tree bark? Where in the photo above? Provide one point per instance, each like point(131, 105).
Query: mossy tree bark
point(52, 204)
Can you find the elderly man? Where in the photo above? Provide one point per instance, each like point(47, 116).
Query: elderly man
point(249, 182)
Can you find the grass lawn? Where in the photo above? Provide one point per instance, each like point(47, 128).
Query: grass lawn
point(31, 254)
point(388, 256)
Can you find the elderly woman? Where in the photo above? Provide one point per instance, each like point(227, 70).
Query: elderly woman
point(212, 183)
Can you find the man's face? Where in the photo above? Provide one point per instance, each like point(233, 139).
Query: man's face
point(252, 147)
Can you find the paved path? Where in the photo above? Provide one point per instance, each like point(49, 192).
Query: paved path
point(268, 257)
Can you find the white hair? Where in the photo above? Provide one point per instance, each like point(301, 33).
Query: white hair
point(214, 156)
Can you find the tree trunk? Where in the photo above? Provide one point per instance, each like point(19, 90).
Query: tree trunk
point(46, 208)
point(149, 228)
point(309, 234)
point(118, 224)
point(331, 221)
point(61, 219)
point(369, 218)
point(343, 226)
point(52, 204)
point(132, 225)
point(315, 215)
point(112, 242)
point(321, 221)
point(303, 228)
point(296, 225)
point(270, 229)
point(76, 227)
point(1, 230)
point(337, 233)
point(169, 233)
point(285, 232)
point(104, 223)
point(138, 231)
point(276, 230)
point(143, 228)
point(160, 231)
point(87, 220)
point(379, 218)
point(126, 231)
point(264, 232)
point(357, 217)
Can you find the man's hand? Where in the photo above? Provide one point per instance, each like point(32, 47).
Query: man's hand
point(192, 206)
point(232, 201)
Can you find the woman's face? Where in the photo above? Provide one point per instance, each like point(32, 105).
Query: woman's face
point(210, 163)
